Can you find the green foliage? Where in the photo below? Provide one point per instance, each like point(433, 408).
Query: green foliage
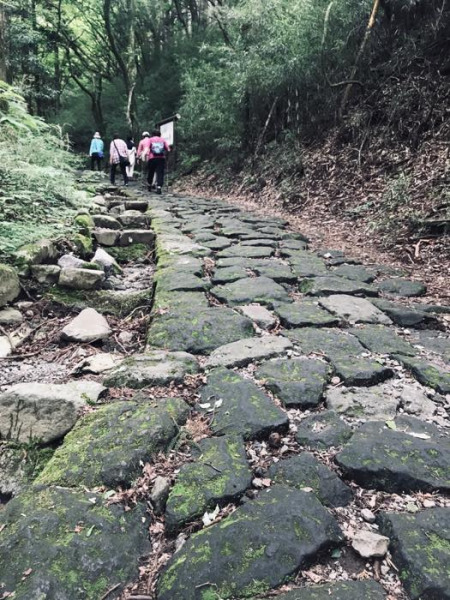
point(36, 176)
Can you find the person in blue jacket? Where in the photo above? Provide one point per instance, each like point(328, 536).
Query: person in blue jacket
point(96, 151)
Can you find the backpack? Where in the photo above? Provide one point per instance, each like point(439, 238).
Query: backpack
point(158, 148)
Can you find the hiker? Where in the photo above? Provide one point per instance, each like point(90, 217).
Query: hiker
point(158, 148)
point(131, 156)
point(143, 147)
point(118, 155)
point(96, 151)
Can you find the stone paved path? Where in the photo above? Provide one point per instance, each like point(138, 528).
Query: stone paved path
point(327, 399)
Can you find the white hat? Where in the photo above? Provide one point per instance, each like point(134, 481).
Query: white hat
point(97, 135)
point(144, 133)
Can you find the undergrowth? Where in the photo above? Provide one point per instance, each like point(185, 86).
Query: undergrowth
point(37, 177)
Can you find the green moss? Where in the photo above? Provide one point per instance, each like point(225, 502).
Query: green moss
point(103, 301)
point(85, 223)
point(129, 253)
point(83, 244)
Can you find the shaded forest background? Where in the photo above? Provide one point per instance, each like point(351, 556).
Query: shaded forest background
point(342, 105)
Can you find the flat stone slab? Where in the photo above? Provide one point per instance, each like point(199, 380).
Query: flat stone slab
point(330, 342)
point(433, 341)
point(305, 314)
point(427, 373)
point(405, 316)
point(402, 287)
point(44, 412)
point(106, 222)
point(175, 280)
point(296, 382)
point(106, 237)
point(81, 279)
point(382, 340)
point(228, 275)
point(355, 273)
point(344, 590)
point(305, 471)
point(219, 475)
point(253, 550)
point(307, 266)
point(325, 286)
point(354, 310)
point(374, 403)
point(239, 407)
point(217, 243)
point(133, 219)
point(420, 547)
point(198, 330)
point(45, 273)
point(65, 544)
point(260, 315)
point(152, 369)
point(89, 326)
point(261, 290)
point(136, 236)
point(109, 446)
point(323, 430)
point(274, 269)
point(181, 244)
point(360, 371)
point(380, 458)
point(239, 354)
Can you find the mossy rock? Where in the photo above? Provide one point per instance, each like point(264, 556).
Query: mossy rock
point(129, 253)
point(35, 254)
point(197, 330)
point(305, 314)
point(360, 371)
point(325, 286)
point(343, 590)
point(382, 340)
point(305, 471)
point(427, 373)
point(246, 291)
point(58, 543)
point(220, 474)
point(108, 447)
point(420, 547)
point(255, 549)
point(330, 342)
point(245, 410)
point(85, 223)
point(112, 302)
point(9, 284)
point(20, 464)
point(296, 382)
point(395, 462)
point(323, 431)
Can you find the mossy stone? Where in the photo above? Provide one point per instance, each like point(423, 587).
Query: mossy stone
point(305, 314)
point(296, 382)
point(342, 590)
point(197, 330)
point(395, 462)
point(261, 290)
point(108, 446)
point(420, 547)
point(70, 545)
point(360, 371)
point(245, 410)
point(402, 287)
point(129, 253)
point(328, 342)
point(323, 430)
point(427, 374)
point(85, 223)
point(112, 302)
point(253, 550)
point(305, 471)
point(219, 474)
point(83, 244)
point(9, 284)
point(327, 285)
point(382, 340)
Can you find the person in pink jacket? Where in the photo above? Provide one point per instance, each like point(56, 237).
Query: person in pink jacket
point(158, 150)
point(118, 155)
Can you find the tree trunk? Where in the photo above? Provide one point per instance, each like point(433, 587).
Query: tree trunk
point(370, 26)
point(4, 53)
